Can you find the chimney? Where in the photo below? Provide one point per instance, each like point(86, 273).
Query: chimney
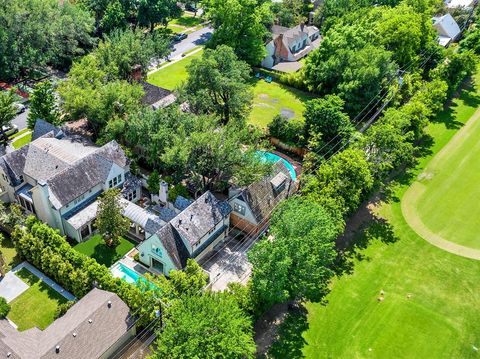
point(163, 194)
point(57, 349)
point(136, 73)
point(109, 304)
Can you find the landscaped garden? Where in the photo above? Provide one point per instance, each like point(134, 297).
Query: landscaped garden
point(405, 297)
point(36, 307)
point(96, 248)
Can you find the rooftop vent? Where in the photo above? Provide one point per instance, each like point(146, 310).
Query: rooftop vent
point(109, 304)
point(57, 349)
point(179, 222)
point(90, 321)
point(74, 334)
point(191, 216)
point(9, 355)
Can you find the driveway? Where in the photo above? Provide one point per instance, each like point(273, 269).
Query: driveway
point(228, 262)
point(21, 120)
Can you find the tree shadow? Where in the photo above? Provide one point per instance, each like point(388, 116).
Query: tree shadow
point(290, 342)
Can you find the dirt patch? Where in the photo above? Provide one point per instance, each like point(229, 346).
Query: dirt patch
point(267, 326)
point(263, 96)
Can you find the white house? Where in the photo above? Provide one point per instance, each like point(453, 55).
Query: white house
point(58, 177)
point(290, 45)
point(447, 29)
point(452, 4)
point(191, 234)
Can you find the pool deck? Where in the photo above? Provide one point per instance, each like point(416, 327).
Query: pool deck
point(296, 165)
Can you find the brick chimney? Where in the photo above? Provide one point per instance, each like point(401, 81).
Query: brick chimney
point(136, 73)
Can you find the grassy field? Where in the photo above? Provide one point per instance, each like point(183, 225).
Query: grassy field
point(97, 249)
point(171, 76)
point(22, 141)
point(8, 252)
point(270, 99)
point(37, 305)
point(431, 300)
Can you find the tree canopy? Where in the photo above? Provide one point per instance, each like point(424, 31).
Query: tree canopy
point(43, 105)
point(110, 221)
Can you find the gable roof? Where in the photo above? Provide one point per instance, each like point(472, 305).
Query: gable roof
point(174, 245)
point(200, 217)
point(110, 320)
point(13, 164)
point(262, 196)
point(42, 128)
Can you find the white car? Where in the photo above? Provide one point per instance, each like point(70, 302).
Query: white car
point(10, 130)
point(20, 108)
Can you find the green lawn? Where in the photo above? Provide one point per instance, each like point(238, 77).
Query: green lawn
point(97, 249)
point(22, 141)
point(36, 306)
point(21, 132)
point(187, 21)
point(431, 300)
point(446, 193)
point(9, 253)
point(271, 99)
point(171, 76)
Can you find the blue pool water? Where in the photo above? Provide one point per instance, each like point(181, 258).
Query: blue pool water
point(128, 275)
point(273, 158)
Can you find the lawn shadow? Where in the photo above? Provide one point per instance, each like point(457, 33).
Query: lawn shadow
point(290, 341)
point(105, 255)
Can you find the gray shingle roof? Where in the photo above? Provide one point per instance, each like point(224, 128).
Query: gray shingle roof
point(13, 164)
point(181, 203)
point(42, 128)
point(153, 94)
point(262, 196)
point(108, 324)
point(165, 214)
point(200, 217)
point(174, 245)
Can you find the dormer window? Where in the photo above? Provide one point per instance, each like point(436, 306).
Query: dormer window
point(20, 178)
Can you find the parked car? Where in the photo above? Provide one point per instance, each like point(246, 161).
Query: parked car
point(191, 7)
point(20, 108)
point(179, 37)
point(10, 130)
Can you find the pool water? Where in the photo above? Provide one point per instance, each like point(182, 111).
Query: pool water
point(273, 158)
point(127, 274)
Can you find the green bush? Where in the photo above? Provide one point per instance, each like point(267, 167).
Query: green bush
point(4, 308)
point(63, 308)
point(136, 257)
point(289, 132)
point(177, 190)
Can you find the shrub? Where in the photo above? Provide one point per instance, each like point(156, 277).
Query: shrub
point(62, 308)
point(289, 132)
point(4, 308)
point(177, 190)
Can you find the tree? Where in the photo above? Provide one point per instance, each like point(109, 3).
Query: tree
point(153, 182)
point(42, 105)
point(110, 222)
point(4, 308)
point(238, 24)
point(153, 12)
point(327, 124)
point(217, 83)
point(294, 262)
point(114, 17)
point(205, 326)
point(341, 183)
point(8, 111)
point(471, 41)
point(289, 13)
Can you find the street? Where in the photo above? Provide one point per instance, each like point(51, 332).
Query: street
point(21, 120)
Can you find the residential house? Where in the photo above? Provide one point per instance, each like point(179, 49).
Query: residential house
point(156, 97)
point(193, 233)
point(447, 29)
point(97, 326)
point(452, 4)
point(253, 205)
point(58, 177)
point(288, 46)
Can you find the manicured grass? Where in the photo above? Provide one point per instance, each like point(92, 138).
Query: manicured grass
point(22, 141)
point(187, 21)
point(21, 132)
point(271, 99)
point(8, 252)
point(37, 305)
point(96, 248)
point(445, 197)
point(171, 76)
point(431, 300)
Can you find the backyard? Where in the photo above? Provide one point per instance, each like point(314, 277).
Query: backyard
point(270, 99)
point(8, 252)
point(187, 23)
point(96, 248)
point(429, 306)
point(36, 306)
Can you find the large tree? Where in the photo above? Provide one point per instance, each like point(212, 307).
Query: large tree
point(210, 325)
point(326, 125)
point(36, 33)
point(153, 12)
point(239, 24)
point(8, 110)
point(110, 221)
point(43, 105)
point(217, 83)
point(294, 262)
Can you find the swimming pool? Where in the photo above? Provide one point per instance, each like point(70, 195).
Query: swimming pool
point(127, 274)
point(273, 158)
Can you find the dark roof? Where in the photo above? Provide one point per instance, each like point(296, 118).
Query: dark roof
point(42, 128)
point(200, 217)
point(262, 196)
point(114, 152)
point(153, 94)
point(174, 245)
point(165, 214)
point(181, 203)
point(13, 164)
point(108, 324)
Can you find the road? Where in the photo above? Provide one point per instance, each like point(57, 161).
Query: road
point(21, 120)
point(196, 38)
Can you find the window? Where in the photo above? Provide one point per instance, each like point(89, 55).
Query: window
point(157, 251)
point(239, 208)
point(132, 195)
point(157, 265)
point(119, 178)
point(21, 178)
point(110, 184)
point(115, 181)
